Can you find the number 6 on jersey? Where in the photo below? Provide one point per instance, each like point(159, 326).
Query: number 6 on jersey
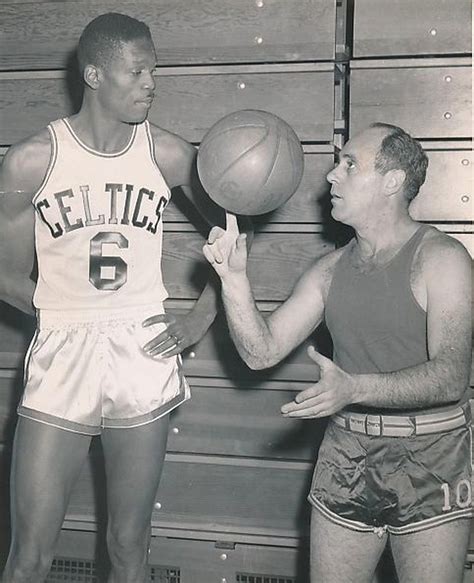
point(98, 261)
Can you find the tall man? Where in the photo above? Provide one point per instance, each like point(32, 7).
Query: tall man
point(88, 192)
point(395, 460)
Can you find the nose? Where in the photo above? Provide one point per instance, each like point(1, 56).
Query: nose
point(331, 176)
point(149, 81)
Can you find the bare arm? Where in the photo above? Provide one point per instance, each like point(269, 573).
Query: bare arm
point(445, 274)
point(177, 160)
point(445, 268)
point(21, 174)
point(263, 342)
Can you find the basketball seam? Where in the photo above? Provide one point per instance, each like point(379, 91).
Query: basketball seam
point(208, 140)
point(243, 154)
point(275, 156)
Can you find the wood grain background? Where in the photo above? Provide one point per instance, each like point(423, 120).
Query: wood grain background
point(237, 473)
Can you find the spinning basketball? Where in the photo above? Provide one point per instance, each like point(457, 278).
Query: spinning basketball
point(250, 162)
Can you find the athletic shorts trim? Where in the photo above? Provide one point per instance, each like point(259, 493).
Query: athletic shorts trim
point(128, 423)
point(53, 421)
point(396, 530)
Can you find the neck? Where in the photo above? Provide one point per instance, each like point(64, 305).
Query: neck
point(384, 237)
point(100, 133)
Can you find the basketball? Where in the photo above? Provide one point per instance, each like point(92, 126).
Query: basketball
point(250, 162)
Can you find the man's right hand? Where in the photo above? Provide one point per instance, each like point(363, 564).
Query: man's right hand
point(226, 250)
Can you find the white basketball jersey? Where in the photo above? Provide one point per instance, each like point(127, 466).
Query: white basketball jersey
point(99, 225)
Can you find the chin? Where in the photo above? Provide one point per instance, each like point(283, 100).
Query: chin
point(339, 217)
point(334, 214)
point(136, 117)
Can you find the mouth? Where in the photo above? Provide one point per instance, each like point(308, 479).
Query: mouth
point(145, 101)
point(335, 196)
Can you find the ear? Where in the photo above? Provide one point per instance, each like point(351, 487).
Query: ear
point(92, 76)
point(394, 181)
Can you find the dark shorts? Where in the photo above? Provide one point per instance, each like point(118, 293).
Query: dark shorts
point(395, 484)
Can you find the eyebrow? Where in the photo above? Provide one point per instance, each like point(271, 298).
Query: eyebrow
point(345, 157)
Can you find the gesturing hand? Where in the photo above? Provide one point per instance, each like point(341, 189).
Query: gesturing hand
point(330, 394)
point(226, 250)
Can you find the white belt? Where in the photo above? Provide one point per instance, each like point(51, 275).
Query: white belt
point(403, 425)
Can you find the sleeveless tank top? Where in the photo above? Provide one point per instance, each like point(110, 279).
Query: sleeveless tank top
point(375, 322)
point(98, 226)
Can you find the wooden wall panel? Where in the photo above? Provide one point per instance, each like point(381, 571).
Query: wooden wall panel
point(16, 330)
point(310, 203)
point(467, 239)
point(28, 104)
point(43, 34)
point(215, 357)
point(252, 425)
point(237, 495)
point(447, 192)
point(206, 561)
point(418, 98)
point(10, 393)
point(285, 254)
point(385, 27)
point(184, 98)
point(183, 102)
point(236, 470)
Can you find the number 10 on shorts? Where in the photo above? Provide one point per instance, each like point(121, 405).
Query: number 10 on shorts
point(462, 495)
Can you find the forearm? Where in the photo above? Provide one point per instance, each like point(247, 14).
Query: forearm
point(205, 308)
point(249, 330)
point(434, 383)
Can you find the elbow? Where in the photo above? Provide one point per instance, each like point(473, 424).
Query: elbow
point(255, 364)
point(260, 361)
point(456, 386)
point(457, 390)
point(450, 374)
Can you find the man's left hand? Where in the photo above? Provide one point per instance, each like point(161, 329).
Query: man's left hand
point(181, 332)
point(330, 394)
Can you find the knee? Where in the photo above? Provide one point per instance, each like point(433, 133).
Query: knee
point(127, 545)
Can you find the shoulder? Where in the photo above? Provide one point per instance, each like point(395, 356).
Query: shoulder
point(319, 275)
point(438, 251)
point(174, 155)
point(25, 164)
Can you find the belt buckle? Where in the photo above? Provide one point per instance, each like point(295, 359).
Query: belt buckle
point(373, 425)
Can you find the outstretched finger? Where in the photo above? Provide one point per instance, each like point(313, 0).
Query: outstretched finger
point(231, 224)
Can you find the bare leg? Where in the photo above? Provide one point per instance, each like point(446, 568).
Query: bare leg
point(436, 555)
point(339, 554)
point(46, 463)
point(134, 461)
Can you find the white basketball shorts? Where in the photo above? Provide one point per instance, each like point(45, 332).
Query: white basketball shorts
point(86, 371)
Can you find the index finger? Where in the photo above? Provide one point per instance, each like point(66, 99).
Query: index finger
point(232, 226)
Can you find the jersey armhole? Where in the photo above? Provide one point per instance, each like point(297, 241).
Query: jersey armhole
point(51, 164)
point(151, 147)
